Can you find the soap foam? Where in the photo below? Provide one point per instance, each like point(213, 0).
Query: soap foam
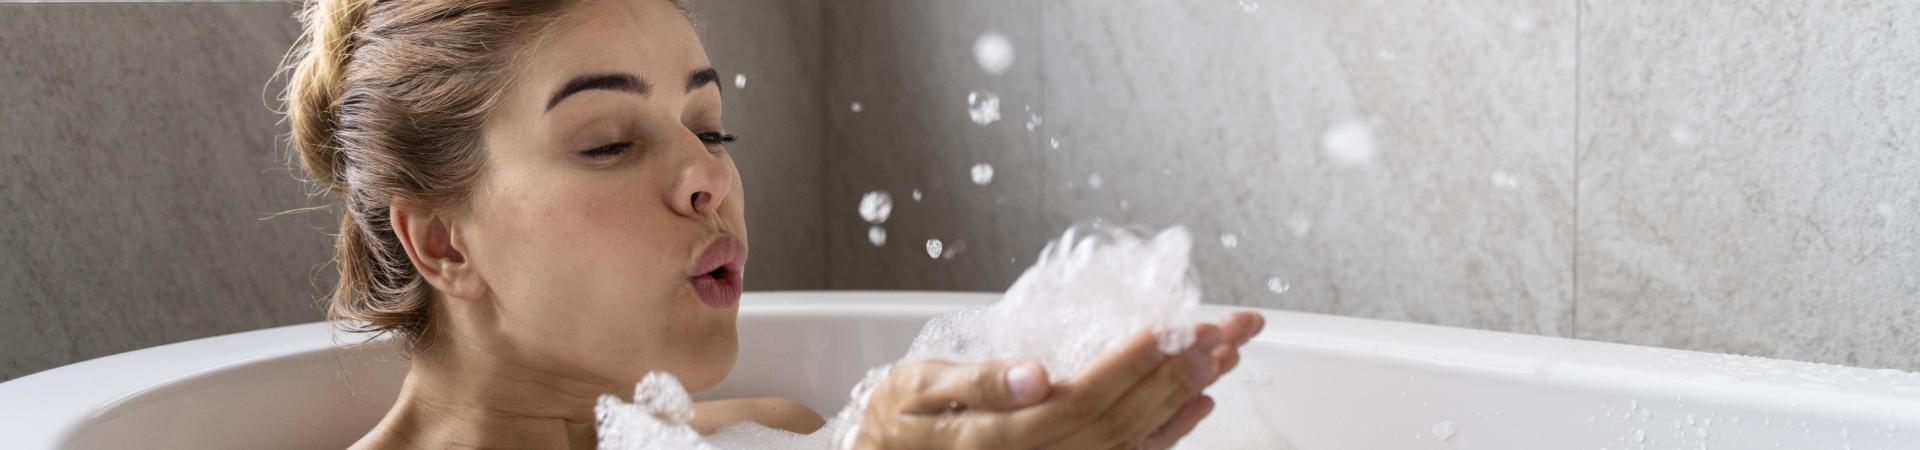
point(1087, 293)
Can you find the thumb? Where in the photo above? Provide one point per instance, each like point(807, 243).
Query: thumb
point(992, 385)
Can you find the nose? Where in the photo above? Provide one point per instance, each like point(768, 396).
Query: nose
point(704, 182)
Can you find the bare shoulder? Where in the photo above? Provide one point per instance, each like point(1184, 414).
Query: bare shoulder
point(772, 412)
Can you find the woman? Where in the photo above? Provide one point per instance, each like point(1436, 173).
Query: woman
point(538, 199)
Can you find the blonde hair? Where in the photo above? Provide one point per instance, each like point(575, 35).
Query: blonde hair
point(385, 101)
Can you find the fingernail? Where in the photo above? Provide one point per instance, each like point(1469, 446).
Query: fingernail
point(1026, 384)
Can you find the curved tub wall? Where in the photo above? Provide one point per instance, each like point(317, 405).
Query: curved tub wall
point(1326, 382)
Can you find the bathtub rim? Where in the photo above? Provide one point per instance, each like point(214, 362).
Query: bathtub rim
point(57, 403)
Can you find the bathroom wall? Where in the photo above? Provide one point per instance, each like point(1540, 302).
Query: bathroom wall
point(1702, 175)
point(142, 167)
point(1692, 174)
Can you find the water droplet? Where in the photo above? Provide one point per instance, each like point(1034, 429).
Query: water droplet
point(982, 174)
point(876, 207)
point(1443, 430)
point(983, 107)
point(740, 80)
point(877, 236)
point(1349, 143)
point(994, 52)
point(1278, 285)
point(1229, 240)
point(934, 247)
point(916, 195)
point(1502, 179)
point(1094, 181)
point(856, 107)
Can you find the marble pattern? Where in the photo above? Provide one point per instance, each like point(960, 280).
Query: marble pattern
point(1747, 178)
point(1198, 121)
point(1727, 178)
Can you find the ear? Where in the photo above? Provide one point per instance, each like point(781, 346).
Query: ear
point(434, 247)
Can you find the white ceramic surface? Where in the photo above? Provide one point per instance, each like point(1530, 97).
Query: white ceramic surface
point(1327, 382)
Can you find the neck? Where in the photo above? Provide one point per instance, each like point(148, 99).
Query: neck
point(459, 396)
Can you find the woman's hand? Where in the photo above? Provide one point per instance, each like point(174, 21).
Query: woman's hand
point(1133, 397)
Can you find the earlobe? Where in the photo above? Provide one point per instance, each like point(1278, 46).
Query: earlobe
point(433, 247)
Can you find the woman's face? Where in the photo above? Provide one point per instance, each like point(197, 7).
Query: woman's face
point(607, 200)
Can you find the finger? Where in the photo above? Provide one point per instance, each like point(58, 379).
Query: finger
point(1226, 358)
point(1151, 403)
point(892, 430)
point(991, 385)
point(1182, 424)
point(1112, 375)
point(1241, 326)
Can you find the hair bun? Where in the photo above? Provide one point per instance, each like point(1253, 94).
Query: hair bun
point(319, 79)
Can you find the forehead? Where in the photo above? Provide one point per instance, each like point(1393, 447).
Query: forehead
point(649, 38)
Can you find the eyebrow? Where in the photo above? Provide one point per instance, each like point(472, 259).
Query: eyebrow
point(624, 82)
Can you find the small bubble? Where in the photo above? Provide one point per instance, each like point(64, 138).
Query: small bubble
point(983, 108)
point(982, 174)
point(1094, 181)
point(1249, 5)
point(1278, 285)
point(1442, 430)
point(740, 80)
point(1229, 240)
point(1055, 142)
point(877, 236)
point(994, 52)
point(1033, 121)
point(876, 207)
point(1386, 54)
point(1349, 143)
point(934, 247)
point(856, 107)
point(916, 195)
point(1502, 179)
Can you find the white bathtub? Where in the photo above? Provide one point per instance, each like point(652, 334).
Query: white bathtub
point(1327, 382)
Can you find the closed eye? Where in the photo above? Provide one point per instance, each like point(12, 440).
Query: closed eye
point(717, 137)
point(606, 151)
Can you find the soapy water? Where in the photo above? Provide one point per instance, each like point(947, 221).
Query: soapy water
point(982, 174)
point(1087, 293)
point(876, 207)
point(983, 108)
point(994, 52)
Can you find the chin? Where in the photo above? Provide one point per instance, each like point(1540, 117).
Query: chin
point(705, 368)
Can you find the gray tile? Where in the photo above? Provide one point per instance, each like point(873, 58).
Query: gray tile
point(1216, 119)
point(1747, 178)
point(143, 169)
point(910, 65)
point(777, 45)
